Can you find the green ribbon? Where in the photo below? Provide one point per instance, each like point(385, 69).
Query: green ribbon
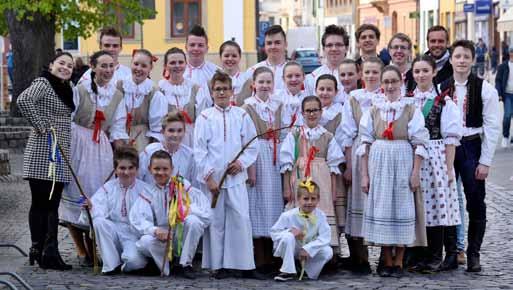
point(427, 107)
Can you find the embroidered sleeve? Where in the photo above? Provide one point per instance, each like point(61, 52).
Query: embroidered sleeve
point(367, 133)
point(451, 125)
point(286, 155)
point(418, 134)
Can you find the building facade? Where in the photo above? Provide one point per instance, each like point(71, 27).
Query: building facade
point(343, 13)
point(447, 17)
point(429, 16)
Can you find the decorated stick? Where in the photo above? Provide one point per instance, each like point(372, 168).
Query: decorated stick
point(168, 238)
point(89, 217)
point(225, 174)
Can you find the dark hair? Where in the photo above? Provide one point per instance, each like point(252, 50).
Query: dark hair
point(367, 26)
point(126, 152)
point(468, 44)
point(392, 68)
point(79, 62)
point(261, 70)
point(326, 77)
point(400, 36)
point(335, 30)
point(292, 63)
point(437, 28)
point(199, 31)
point(110, 31)
point(350, 61)
point(373, 59)
point(275, 29)
point(59, 54)
point(93, 61)
point(229, 43)
point(427, 58)
point(172, 50)
point(161, 154)
point(222, 77)
point(173, 116)
point(310, 99)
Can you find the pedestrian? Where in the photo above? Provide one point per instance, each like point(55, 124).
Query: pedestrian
point(437, 181)
point(303, 233)
point(275, 45)
point(145, 105)
point(505, 51)
point(478, 103)
point(230, 54)
point(504, 86)
point(221, 132)
point(481, 52)
point(198, 70)
point(110, 207)
point(359, 102)
point(319, 158)
point(394, 130)
point(494, 59)
point(99, 118)
point(182, 94)
point(265, 188)
point(291, 97)
point(151, 211)
point(10, 64)
point(47, 104)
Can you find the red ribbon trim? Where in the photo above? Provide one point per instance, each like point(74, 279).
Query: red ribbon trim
point(99, 117)
point(186, 116)
point(389, 131)
point(129, 119)
point(311, 155)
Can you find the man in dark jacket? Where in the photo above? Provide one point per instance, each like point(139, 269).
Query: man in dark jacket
point(438, 41)
point(504, 86)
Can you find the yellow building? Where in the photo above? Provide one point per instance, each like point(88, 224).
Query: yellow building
point(447, 17)
point(223, 20)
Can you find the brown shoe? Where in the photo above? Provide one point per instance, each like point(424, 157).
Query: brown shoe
point(461, 258)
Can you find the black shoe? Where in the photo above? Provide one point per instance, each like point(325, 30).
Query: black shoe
point(34, 255)
point(284, 277)
point(222, 274)
point(385, 271)
point(473, 264)
point(253, 274)
point(54, 262)
point(450, 263)
point(116, 271)
point(396, 272)
point(345, 263)
point(362, 269)
point(188, 273)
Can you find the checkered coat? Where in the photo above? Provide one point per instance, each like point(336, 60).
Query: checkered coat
point(42, 107)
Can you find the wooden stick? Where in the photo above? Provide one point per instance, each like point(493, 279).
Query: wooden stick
point(131, 143)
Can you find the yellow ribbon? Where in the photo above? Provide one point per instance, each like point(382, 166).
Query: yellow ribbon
point(178, 212)
point(308, 185)
point(52, 166)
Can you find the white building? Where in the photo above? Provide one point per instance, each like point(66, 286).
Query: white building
point(429, 11)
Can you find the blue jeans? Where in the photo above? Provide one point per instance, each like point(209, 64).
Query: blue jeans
point(460, 229)
point(508, 113)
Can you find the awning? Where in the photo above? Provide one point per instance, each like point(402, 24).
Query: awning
point(505, 22)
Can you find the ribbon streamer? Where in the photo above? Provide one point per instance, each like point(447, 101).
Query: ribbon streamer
point(311, 155)
point(99, 116)
point(53, 158)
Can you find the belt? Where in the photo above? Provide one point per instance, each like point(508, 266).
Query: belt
point(471, 137)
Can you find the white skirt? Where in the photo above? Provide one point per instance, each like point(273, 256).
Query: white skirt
point(92, 163)
point(441, 199)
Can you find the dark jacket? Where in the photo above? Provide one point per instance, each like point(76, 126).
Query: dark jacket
point(501, 78)
point(443, 74)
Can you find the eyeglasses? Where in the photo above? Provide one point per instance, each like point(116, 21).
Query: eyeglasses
point(337, 45)
point(221, 90)
point(311, 111)
point(397, 47)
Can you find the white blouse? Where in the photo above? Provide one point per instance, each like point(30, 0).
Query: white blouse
point(328, 114)
point(201, 75)
point(291, 106)
point(311, 79)
point(180, 95)
point(334, 157)
point(279, 83)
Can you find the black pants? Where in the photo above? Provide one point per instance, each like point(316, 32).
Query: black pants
point(44, 213)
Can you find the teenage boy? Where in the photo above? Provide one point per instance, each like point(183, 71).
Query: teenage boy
point(367, 38)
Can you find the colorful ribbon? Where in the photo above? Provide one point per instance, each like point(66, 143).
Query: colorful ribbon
point(99, 117)
point(178, 211)
point(308, 185)
point(311, 155)
point(389, 131)
point(186, 116)
point(129, 119)
point(53, 157)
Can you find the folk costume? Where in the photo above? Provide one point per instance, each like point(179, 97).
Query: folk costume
point(311, 80)
point(188, 98)
point(391, 129)
point(219, 135)
point(98, 120)
point(314, 152)
point(122, 72)
point(279, 83)
point(265, 198)
point(316, 241)
point(191, 217)
point(201, 75)
point(145, 107)
point(241, 84)
point(291, 108)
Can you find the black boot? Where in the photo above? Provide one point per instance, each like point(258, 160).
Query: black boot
point(435, 237)
point(451, 251)
point(37, 234)
point(476, 231)
point(51, 259)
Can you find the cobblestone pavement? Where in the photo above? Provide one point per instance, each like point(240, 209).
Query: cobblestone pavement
point(497, 253)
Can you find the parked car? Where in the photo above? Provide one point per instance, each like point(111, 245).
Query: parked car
point(308, 58)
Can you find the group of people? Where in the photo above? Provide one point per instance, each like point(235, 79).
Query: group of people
point(268, 167)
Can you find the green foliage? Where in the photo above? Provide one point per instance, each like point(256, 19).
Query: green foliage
point(81, 17)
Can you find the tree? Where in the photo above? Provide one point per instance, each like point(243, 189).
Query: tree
point(32, 25)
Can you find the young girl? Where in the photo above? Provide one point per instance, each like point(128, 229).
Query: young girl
point(390, 175)
point(145, 105)
point(326, 90)
point(182, 94)
point(230, 54)
point(100, 117)
point(358, 103)
point(294, 77)
point(311, 151)
point(265, 198)
point(438, 186)
point(173, 128)
point(349, 75)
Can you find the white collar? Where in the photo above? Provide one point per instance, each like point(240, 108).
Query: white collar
point(330, 112)
point(106, 91)
point(429, 94)
point(142, 89)
point(312, 134)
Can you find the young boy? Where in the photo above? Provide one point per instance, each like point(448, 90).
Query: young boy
point(150, 216)
point(304, 233)
point(221, 132)
point(110, 207)
point(367, 37)
point(173, 131)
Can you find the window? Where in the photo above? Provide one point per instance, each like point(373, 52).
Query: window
point(184, 14)
point(67, 42)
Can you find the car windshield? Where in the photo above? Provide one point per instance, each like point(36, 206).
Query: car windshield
point(306, 53)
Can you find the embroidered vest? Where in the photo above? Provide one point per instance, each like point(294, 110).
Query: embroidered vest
point(400, 125)
point(86, 109)
point(190, 108)
point(474, 106)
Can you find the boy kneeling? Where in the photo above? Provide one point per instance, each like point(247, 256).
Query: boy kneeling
point(190, 213)
point(304, 233)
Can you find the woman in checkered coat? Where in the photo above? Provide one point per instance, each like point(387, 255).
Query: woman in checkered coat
point(47, 103)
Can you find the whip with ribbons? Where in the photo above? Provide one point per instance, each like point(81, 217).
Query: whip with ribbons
point(225, 173)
